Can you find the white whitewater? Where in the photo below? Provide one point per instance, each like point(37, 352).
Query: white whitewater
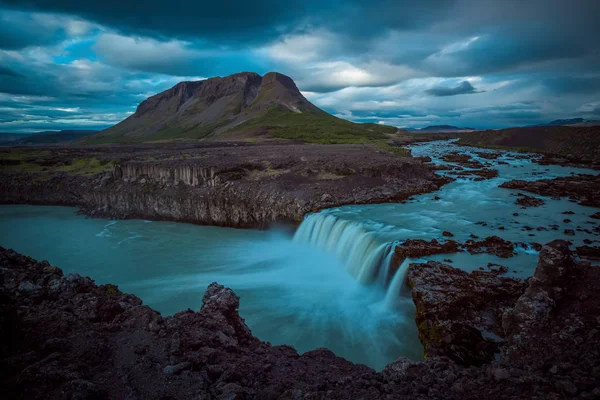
point(397, 285)
point(366, 258)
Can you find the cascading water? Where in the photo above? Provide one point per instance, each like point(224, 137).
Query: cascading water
point(366, 258)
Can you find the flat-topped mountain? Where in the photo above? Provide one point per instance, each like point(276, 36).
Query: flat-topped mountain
point(237, 106)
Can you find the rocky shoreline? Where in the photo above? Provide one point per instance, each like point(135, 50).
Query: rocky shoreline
point(63, 336)
point(569, 146)
point(583, 189)
point(233, 184)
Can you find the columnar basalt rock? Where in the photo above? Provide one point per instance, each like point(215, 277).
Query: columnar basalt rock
point(172, 175)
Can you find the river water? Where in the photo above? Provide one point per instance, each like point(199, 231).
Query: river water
point(324, 286)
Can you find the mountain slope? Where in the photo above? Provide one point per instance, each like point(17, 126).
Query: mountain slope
point(238, 106)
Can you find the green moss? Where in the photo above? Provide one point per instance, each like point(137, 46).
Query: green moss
point(111, 289)
point(400, 151)
point(427, 335)
point(313, 127)
point(23, 154)
point(87, 166)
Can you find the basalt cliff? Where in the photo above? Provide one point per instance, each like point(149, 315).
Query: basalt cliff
point(64, 336)
point(226, 184)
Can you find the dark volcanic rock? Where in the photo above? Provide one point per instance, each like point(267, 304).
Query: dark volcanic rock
point(589, 252)
point(456, 157)
point(425, 159)
point(584, 189)
point(488, 156)
point(415, 248)
point(528, 201)
point(492, 245)
point(61, 336)
point(477, 174)
point(69, 337)
point(556, 320)
point(454, 306)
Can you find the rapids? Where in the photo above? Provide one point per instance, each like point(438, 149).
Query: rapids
point(327, 285)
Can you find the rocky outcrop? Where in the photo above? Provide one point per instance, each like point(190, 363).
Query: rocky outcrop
point(476, 174)
point(454, 308)
point(492, 245)
point(584, 189)
point(528, 201)
point(592, 252)
point(546, 288)
point(549, 324)
point(455, 157)
point(553, 327)
point(62, 336)
point(235, 184)
point(416, 248)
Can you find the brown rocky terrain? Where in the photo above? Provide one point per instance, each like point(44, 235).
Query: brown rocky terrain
point(584, 189)
point(228, 184)
point(64, 337)
point(563, 145)
point(416, 248)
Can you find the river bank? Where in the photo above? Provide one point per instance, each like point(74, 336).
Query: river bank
point(241, 185)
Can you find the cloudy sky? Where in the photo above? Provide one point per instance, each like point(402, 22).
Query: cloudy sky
point(74, 64)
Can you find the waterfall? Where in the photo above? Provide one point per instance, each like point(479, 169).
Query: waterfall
point(366, 258)
point(397, 284)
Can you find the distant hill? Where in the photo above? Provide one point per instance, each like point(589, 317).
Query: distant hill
point(240, 106)
point(580, 143)
point(51, 137)
point(440, 128)
point(10, 137)
point(572, 122)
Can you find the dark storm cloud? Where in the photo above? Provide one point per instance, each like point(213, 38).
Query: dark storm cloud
point(464, 87)
point(357, 54)
point(20, 29)
point(573, 84)
point(235, 20)
point(9, 72)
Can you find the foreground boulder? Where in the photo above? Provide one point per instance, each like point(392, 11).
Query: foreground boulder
point(455, 307)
